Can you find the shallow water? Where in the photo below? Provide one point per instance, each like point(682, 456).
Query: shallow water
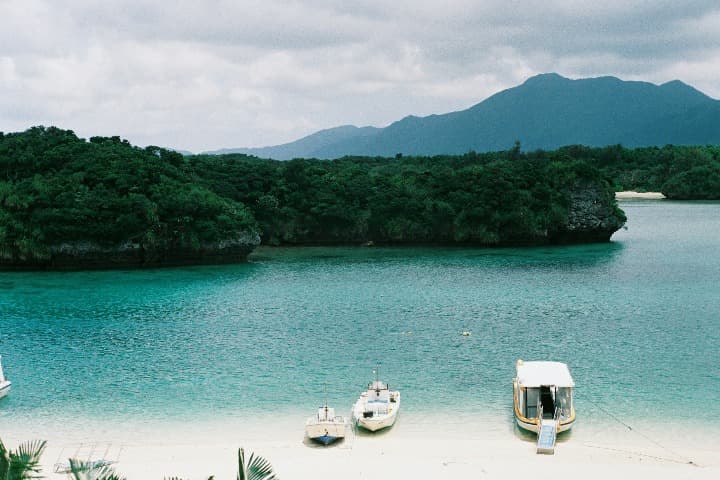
point(636, 320)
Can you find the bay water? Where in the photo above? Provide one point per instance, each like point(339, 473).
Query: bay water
point(636, 320)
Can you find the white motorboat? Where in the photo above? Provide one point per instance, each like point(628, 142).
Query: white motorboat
point(543, 400)
point(377, 407)
point(326, 427)
point(5, 384)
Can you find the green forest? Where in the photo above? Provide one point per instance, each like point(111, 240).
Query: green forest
point(493, 199)
point(679, 172)
point(56, 188)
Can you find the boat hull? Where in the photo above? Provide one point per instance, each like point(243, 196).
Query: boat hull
point(377, 423)
point(325, 432)
point(376, 416)
point(5, 388)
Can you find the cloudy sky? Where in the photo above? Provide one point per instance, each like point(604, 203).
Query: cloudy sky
point(201, 75)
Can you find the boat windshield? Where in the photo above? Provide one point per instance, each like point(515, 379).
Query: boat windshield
point(564, 401)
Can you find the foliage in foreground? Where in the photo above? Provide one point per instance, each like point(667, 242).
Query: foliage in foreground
point(24, 464)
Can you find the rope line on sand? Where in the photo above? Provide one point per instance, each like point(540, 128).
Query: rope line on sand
point(685, 460)
point(640, 454)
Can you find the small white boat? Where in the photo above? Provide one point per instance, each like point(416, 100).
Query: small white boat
point(326, 427)
point(377, 407)
point(5, 384)
point(543, 400)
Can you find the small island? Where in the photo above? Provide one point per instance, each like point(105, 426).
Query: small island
point(70, 203)
point(66, 202)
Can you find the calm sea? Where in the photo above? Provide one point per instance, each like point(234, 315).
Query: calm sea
point(637, 321)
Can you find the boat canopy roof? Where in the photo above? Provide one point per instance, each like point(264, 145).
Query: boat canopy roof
point(538, 374)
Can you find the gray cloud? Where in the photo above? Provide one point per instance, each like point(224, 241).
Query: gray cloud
point(203, 75)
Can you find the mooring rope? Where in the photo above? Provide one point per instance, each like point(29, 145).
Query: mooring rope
point(685, 460)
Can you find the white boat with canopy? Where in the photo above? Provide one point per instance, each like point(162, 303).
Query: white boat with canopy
point(5, 384)
point(377, 407)
point(543, 400)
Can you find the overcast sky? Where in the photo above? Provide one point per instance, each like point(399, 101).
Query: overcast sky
point(201, 75)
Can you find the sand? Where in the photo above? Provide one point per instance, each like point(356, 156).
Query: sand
point(628, 195)
point(416, 447)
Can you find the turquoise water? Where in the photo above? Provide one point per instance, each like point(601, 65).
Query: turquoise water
point(636, 320)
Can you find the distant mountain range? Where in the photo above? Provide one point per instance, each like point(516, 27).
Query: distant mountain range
point(546, 112)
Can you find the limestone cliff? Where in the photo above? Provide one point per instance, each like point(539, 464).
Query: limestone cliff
point(128, 254)
point(593, 215)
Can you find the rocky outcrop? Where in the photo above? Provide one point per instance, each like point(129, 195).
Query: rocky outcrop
point(90, 255)
point(593, 215)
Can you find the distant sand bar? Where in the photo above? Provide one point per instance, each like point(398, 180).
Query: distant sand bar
point(643, 195)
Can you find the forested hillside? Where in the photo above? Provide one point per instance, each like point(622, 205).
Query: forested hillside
point(682, 173)
point(103, 200)
point(504, 198)
point(66, 202)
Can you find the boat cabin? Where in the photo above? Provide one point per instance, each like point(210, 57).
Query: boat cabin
point(378, 392)
point(543, 390)
point(326, 414)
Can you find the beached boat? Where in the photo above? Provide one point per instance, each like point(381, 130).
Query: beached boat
point(326, 427)
point(543, 399)
point(377, 407)
point(5, 384)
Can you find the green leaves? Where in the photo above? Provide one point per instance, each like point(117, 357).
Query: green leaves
point(256, 468)
point(92, 470)
point(22, 464)
point(58, 190)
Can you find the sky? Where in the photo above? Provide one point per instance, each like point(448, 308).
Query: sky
point(202, 75)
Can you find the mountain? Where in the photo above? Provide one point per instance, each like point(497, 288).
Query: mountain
point(301, 148)
point(546, 112)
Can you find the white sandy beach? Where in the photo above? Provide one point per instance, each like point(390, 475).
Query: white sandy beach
point(630, 195)
point(415, 448)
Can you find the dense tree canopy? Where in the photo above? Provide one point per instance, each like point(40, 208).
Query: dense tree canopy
point(679, 172)
point(56, 188)
point(490, 199)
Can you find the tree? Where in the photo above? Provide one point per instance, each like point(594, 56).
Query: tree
point(256, 468)
point(80, 470)
point(23, 463)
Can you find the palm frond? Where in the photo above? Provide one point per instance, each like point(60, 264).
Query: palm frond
point(25, 462)
point(211, 477)
point(81, 470)
point(256, 468)
point(4, 461)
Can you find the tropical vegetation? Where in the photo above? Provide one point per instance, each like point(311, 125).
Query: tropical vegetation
point(24, 464)
point(478, 199)
point(679, 172)
point(57, 190)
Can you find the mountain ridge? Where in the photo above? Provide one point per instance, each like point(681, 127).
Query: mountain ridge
point(546, 111)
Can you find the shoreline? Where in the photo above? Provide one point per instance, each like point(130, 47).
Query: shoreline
point(633, 195)
point(418, 446)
